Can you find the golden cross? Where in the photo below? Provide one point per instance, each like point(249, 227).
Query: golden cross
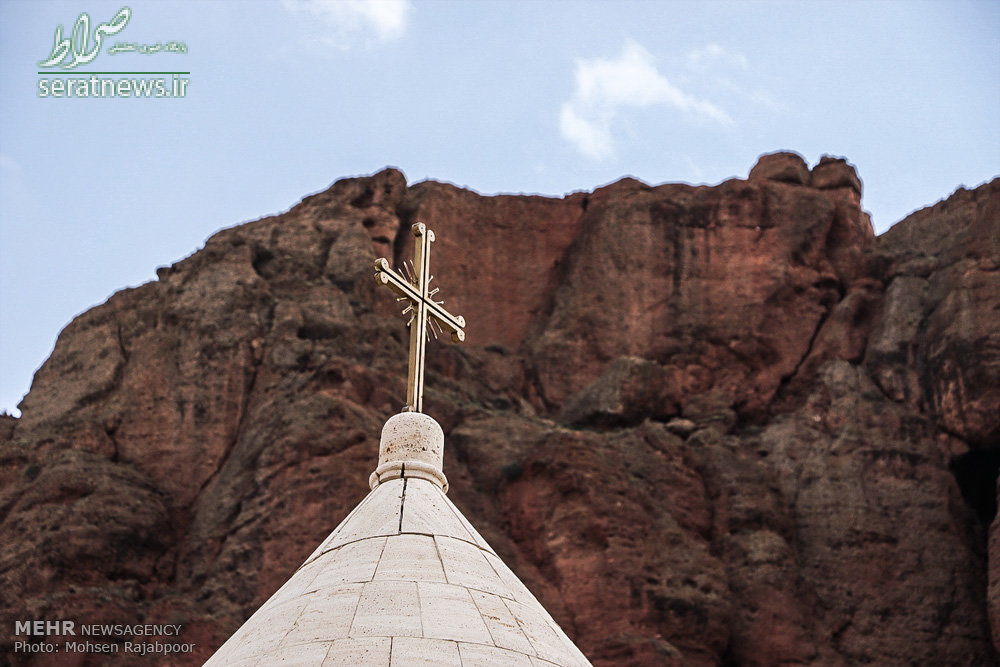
point(427, 316)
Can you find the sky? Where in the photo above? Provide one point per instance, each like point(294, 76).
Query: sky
point(282, 98)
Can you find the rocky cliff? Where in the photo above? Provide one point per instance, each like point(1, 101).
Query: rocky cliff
point(705, 425)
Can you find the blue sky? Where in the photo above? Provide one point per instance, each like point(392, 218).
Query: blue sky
point(539, 97)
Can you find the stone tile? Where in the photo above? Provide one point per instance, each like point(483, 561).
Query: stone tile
point(324, 546)
point(469, 528)
point(517, 590)
point(377, 515)
point(572, 648)
point(258, 636)
point(388, 609)
point(427, 512)
point(352, 563)
point(477, 655)
point(423, 652)
point(327, 616)
point(465, 564)
point(300, 655)
point(359, 651)
point(539, 628)
point(244, 662)
point(299, 583)
point(410, 558)
point(538, 662)
point(448, 612)
point(503, 627)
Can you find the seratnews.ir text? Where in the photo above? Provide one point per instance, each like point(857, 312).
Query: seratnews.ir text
point(104, 87)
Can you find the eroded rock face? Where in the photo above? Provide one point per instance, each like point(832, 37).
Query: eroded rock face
point(941, 314)
point(782, 166)
point(705, 425)
point(835, 172)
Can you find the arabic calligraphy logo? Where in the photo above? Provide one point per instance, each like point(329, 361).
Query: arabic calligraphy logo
point(80, 49)
point(78, 44)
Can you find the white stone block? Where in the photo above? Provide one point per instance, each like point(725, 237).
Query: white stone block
point(477, 655)
point(257, 636)
point(410, 558)
point(448, 612)
point(465, 564)
point(542, 632)
point(327, 617)
point(427, 511)
point(538, 662)
point(423, 652)
point(261, 633)
point(377, 515)
point(235, 662)
point(325, 545)
point(469, 528)
point(388, 609)
point(568, 645)
point(352, 563)
point(518, 591)
point(503, 627)
point(359, 651)
point(300, 655)
point(299, 583)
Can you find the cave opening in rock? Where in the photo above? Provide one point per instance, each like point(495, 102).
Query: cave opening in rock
point(976, 474)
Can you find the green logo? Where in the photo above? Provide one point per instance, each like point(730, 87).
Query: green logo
point(80, 48)
point(79, 43)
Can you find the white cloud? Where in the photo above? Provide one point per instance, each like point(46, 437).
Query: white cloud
point(592, 137)
point(715, 66)
point(605, 86)
point(371, 21)
point(713, 54)
point(758, 98)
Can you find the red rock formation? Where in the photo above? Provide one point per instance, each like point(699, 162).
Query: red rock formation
point(706, 425)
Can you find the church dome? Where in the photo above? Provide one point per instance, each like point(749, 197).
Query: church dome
point(404, 580)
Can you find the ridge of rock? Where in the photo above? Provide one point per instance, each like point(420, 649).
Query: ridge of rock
point(703, 425)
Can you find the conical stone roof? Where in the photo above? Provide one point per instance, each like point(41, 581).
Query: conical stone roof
point(404, 580)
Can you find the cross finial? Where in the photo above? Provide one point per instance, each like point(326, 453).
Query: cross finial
point(427, 316)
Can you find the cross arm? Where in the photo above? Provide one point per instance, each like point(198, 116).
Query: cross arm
point(453, 323)
point(386, 276)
